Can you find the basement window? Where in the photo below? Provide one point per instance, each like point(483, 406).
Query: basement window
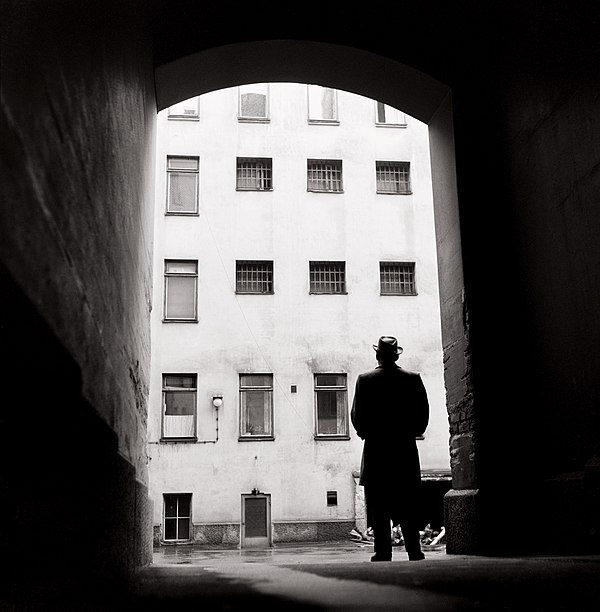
point(177, 517)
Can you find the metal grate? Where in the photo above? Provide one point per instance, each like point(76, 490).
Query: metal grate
point(393, 177)
point(324, 175)
point(397, 278)
point(254, 276)
point(327, 276)
point(254, 174)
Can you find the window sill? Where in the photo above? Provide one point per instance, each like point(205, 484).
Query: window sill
point(256, 439)
point(394, 193)
point(180, 320)
point(183, 118)
point(252, 189)
point(391, 125)
point(170, 213)
point(255, 293)
point(399, 294)
point(323, 191)
point(176, 542)
point(323, 122)
point(178, 440)
point(327, 293)
point(254, 119)
point(331, 437)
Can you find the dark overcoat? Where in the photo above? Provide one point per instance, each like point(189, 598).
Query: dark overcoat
point(389, 410)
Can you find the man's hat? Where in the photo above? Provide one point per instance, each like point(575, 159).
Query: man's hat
point(388, 345)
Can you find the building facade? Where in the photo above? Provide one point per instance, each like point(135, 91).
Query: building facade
point(293, 227)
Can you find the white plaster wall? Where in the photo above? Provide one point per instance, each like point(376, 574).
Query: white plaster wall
point(291, 334)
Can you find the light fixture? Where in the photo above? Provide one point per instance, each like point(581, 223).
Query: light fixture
point(217, 401)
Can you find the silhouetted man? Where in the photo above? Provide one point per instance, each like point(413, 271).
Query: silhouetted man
point(389, 410)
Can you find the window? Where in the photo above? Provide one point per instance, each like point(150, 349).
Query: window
point(325, 175)
point(188, 109)
point(331, 405)
point(389, 116)
point(397, 278)
point(179, 393)
point(322, 104)
point(256, 406)
point(327, 277)
point(177, 516)
point(254, 277)
point(181, 279)
point(393, 177)
point(254, 102)
point(332, 498)
point(182, 185)
point(254, 174)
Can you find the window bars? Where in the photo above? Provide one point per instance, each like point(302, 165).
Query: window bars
point(393, 177)
point(327, 277)
point(254, 174)
point(254, 277)
point(397, 278)
point(325, 175)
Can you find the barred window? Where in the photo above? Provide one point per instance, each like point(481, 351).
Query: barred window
point(182, 185)
point(181, 280)
point(188, 109)
point(254, 102)
point(256, 406)
point(254, 277)
point(325, 175)
point(254, 174)
point(397, 278)
point(179, 406)
point(177, 516)
point(393, 177)
point(389, 116)
point(331, 405)
point(327, 277)
point(322, 104)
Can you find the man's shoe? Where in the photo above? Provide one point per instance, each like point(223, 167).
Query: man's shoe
point(418, 557)
point(377, 557)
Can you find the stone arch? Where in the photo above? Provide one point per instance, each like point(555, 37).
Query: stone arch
point(422, 97)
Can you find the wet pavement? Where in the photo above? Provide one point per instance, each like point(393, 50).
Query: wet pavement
point(340, 576)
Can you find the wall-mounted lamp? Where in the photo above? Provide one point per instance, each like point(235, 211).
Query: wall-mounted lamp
point(217, 401)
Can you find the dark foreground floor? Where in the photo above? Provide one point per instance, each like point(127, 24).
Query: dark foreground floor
point(341, 577)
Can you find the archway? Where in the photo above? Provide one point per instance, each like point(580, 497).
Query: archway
point(425, 99)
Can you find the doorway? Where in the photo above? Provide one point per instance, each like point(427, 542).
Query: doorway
point(256, 521)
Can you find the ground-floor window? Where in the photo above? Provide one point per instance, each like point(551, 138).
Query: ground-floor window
point(177, 516)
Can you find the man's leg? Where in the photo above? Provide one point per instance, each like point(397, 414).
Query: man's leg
point(410, 531)
point(381, 523)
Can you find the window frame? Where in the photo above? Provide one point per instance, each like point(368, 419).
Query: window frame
point(245, 437)
point(265, 262)
point(268, 167)
point(170, 173)
point(345, 435)
point(313, 121)
point(412, 271)
point(177, 519)
point(165, 390)
point(386, 124)
point(185, 117)
point(324, 162)
point(401, 167)
point(311, 286)
point(167, 275)
point(249, 118)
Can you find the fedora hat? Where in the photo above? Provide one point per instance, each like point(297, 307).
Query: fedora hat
point(388, 345)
